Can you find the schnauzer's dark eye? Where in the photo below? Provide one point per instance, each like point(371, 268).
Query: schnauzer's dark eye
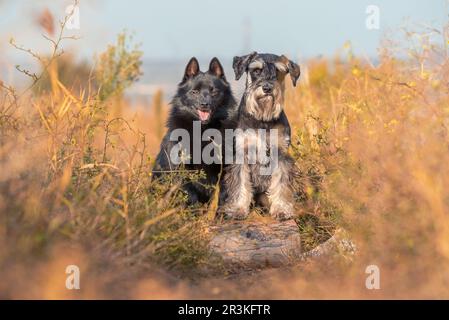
point(194, 92)
point(213, 91)
point(256, 72)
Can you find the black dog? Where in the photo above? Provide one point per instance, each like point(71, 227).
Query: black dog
point(204, 100)
point(261, 107)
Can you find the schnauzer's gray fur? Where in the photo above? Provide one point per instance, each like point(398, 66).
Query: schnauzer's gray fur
point(261, 107)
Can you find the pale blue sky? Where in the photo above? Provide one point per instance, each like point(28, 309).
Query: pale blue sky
point(172, 31)
point(179, 29)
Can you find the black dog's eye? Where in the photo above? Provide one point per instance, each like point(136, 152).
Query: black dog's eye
point(256, 72)
point(194, 92)
point(213, 91)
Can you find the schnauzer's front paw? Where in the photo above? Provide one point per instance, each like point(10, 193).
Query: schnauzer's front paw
point(235, 214)
point(282, 215)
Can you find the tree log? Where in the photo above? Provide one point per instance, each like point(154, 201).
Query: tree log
point(256, 245)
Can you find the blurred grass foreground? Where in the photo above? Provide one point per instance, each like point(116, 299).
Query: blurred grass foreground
point(371, 142)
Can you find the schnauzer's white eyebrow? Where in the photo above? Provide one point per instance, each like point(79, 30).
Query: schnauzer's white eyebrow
point(256, 65)
point(281, 66)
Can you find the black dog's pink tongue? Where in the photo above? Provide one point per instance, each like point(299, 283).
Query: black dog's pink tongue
point(204, 115)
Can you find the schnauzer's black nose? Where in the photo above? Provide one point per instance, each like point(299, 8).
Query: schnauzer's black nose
point(267, 88)
point(205, 105)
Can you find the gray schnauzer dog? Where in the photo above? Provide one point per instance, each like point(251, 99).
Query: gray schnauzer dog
point(261, 110)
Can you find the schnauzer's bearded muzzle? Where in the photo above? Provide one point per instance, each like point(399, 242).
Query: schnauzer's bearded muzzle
point(264, 101)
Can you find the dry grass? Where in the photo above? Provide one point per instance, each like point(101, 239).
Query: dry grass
point(371, 143)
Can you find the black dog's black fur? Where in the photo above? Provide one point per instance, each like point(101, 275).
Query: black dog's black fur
point(205, 97)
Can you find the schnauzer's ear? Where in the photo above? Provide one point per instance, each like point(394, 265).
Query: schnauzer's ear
point(192, 69)
point(216, 69)
point(240, 64)
point(292, 68)
point(294, 71)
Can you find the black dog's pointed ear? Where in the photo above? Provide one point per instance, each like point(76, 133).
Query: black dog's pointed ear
point(216, 69)
point(192, 69)
point(292, 68)
point(240, 64)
